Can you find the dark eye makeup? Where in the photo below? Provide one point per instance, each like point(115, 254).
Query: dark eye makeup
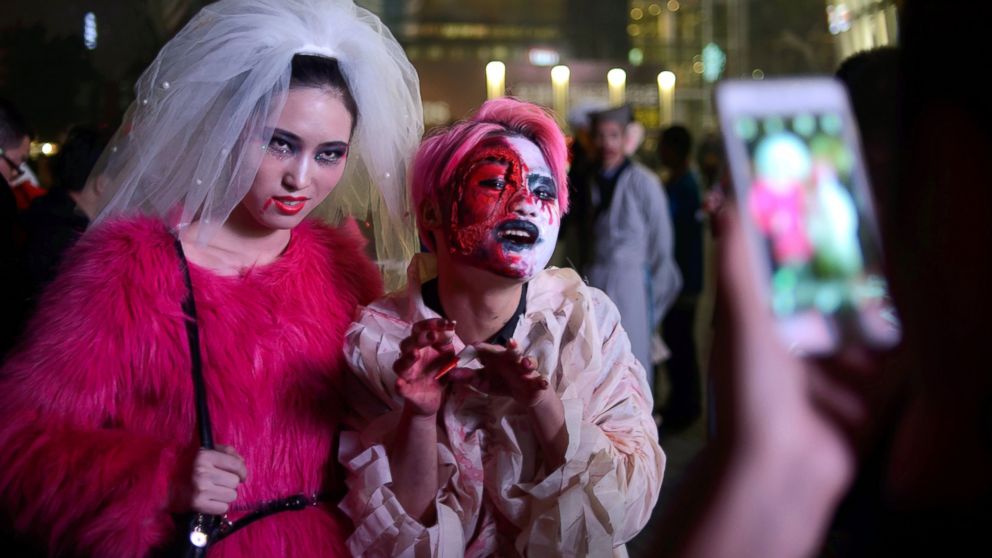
point(543, 187)
point(286, 144)
point(281, 146)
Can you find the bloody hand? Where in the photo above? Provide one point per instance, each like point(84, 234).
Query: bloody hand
point(423, 355)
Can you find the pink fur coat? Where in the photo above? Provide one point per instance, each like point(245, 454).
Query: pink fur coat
point(96, 405)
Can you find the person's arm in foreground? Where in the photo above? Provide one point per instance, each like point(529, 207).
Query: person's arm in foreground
point(789, 430)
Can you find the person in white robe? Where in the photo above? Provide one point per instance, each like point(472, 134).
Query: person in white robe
point(498, 407)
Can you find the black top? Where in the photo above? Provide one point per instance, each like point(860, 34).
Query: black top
point(587, 206)
point(433, 301)
point(607, 183)
point(13, 295)
point(8, 219)
point(53, 224)
point(684, 204)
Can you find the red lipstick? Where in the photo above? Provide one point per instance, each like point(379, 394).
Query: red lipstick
point(289, 205)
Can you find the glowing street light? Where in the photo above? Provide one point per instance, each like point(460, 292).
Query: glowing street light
point(666, 96)
point(495, 79)
point(559, 88)
point(89, 30)
point(617, 81)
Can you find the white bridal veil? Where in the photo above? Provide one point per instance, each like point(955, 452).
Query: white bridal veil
point(191, 142)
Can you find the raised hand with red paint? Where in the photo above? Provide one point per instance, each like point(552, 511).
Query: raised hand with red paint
point(491, 463)
point(505, 371)
point(423, 355)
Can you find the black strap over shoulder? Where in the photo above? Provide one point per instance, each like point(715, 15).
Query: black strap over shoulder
point(202, 530)
point(201, 526)
point(193, 334)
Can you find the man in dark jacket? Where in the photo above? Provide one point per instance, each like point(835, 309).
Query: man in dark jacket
point(683, 406)
point(56, 220)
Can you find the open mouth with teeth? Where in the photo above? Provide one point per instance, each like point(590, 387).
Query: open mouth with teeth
point(518, 234)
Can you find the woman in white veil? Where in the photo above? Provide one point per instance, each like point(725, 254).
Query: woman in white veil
point(223, 77)
point(242, 126)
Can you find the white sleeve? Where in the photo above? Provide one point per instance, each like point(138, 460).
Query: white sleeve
point(382, 526)
point(604, 493)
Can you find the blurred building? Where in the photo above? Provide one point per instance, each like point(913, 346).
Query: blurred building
point(66, 61)
point(862, 24)
point(692, 39)
point(698, 41)
point(703, 41)
point(70, 61)
point(450, 42)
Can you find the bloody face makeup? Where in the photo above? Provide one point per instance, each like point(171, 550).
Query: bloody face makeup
point(503, 213)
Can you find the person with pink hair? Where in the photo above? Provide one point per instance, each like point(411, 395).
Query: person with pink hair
point(501, 410)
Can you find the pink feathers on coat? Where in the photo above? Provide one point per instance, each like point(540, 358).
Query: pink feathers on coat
point(96, 405)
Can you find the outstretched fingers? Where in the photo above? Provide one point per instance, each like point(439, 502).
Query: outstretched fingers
point(435, 333)
point(508, 367)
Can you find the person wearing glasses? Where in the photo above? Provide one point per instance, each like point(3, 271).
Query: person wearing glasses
point(15, 146)
point(15, 168)
point(55, 221)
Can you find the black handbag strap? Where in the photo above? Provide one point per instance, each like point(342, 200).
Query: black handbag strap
point(196, 363)
point(201, 523)
point(214, 527)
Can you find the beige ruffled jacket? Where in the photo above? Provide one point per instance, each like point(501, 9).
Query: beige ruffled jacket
point(495, 495)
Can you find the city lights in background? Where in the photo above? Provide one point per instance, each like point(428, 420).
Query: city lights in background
point(666, 96)
point(495, 79)
point(436, 113)
point(559, 74)
point(562, 55)
point(617, 81)
point(713, 62)
point(838, 18)
point(666, 80)
point(858, 26)
point(89, 30)
point(559, 88)
point(543, 56)
point(43, 149)
point(635, 56)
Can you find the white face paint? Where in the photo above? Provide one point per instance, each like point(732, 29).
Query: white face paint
point(505, 216)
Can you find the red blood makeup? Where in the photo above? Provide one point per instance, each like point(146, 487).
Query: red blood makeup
point(487, 184)
point(503, 212)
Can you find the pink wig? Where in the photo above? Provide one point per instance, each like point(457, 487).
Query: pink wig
point(441, 154)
